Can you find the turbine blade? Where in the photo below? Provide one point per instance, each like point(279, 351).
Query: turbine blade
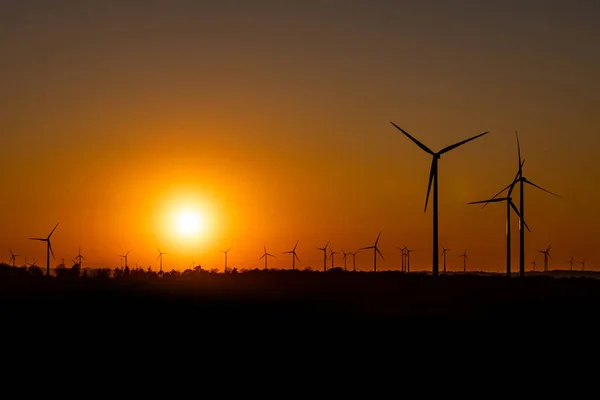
point(512, 205)
point(431, 175)
point(377, 240)
point(261, 257)
point(365, 248)
point(519, 152)
point(496, 200)
point(297, 258)
point(517, 177)
point(541, 188)
point(421, 145)
point(296, 244)
point(451, 147)
point(51, 251)
point(55, 226)
point(376, 249)
point(327, 243)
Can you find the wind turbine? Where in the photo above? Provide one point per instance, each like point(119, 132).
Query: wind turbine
point(48, 248)
point(522, 181)
point(225, 252)
point(546, 254)
point(375, 251)
point(407, 252)
point(570, 261)
point(465, 258)
point(509, 205)
point(331, 256)
point(533, 263)
point(345, 257)
point(266, 256)
point(160, 257)
point(353, 260)
point(582, 262)
point(444, 250)
point(79, 257)
point(403, 258)
point(13, 257)
point(324, 250)
point(294, 255)
point(433, 177)
point(125, 258)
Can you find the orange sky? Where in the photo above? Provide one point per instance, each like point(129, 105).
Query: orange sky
point(274, 120)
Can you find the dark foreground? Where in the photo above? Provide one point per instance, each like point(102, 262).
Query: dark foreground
point(291, 301)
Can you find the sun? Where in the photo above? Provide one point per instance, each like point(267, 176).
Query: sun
point(189, 223)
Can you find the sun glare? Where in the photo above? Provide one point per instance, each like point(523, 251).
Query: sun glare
point(189, 223)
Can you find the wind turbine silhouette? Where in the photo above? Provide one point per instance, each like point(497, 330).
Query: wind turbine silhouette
point(353, 260)
point(533, 262)
point(13, 257)
point(444, 250)
point(465, 258)
point(125, 258)
point(345, 257)
point(582, 262)
point(225, 252)
point(331, 256)
point(546, 254)
point(509, 205)
point(160, 257)
point(375, 252)
point(79, 257)
point(294, 255)
point(522, 181)
point(570, 261)
point(403, 258)
point(48, 248)
point(433, 177)
point(407, 252)
point(324, 250)
point(266, 257)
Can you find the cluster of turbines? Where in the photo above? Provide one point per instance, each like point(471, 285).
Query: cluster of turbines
point(519, 179)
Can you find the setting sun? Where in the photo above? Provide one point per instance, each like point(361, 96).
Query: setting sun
point(188, 223)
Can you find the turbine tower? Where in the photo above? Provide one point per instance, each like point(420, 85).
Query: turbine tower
point(13, 257)
point(546, 254)
point(294, 255)
point(225, 252)
point(160, 257)
point(407, 252)
point(509, 205)
point(533, 263)
point(403, 258)
point(266, 257)
point(79, 257)
point(353, 260)
point(324, 250)
point(433, 177)
point(444, 250)
point(570, 261)
point(48, 248)
point(345, 259)
point(331, 256)
point(522, 181)
point(375, 252)
point(465, 258)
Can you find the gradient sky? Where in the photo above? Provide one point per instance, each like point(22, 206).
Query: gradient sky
point(273, 118)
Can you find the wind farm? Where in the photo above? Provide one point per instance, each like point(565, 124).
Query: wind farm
point(265, 163)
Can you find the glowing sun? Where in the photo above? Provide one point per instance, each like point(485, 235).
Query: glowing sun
point(189, 223)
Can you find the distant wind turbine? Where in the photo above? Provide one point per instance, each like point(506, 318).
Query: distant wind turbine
point(79, 257)
point(324, 250)
point(533, 263)
point(522, 180)
point(403, 258)
point(13, 257)
point(125, 258)
point(48, 248)
point(407, 252)
point(225, 252)
point(294, 255)
point(433, 177)
point(160, 257)
point(345, 259)
point(546, 254)
point(570, 262)
point(331, 255)
point(353, 260)
point(465, 258)
point(375, 252)
point(444, 250)
point(582, 262)
point(266, 257)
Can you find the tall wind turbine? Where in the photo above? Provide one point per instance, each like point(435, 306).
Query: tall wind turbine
point(570, 261)
point(546, 254)
point(79, 257)
point(331, 255)
point(375, 252)
point(533, 263)
point(433, 177)
point(403, 258)
point(509, 205)
point(125, 258)
point(266, 257)
point(13, 257)
point(345, 259)
point(522, 181)
point(160, 257)
point(294, 255)
point(465, 258)
point(444, 250)
point(225, 252)
point(407, 252)
point(48, 248)
point(324, 250)
point(582, 262)
point(353, 260)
